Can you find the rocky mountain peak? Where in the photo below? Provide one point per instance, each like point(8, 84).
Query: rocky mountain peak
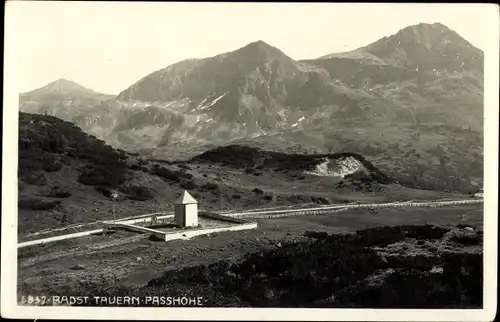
point(258, 51)
point(63, 86)
point(424, 46)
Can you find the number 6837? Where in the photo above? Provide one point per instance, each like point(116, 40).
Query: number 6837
point(33, 300)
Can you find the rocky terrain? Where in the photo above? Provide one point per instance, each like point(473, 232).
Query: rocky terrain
point(69, 177)
point(340, 165)
point(288, 262)
point(370, 268)
point(411, 101)
point(422, 74)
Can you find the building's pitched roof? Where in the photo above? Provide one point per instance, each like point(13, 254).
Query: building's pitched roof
point(186, 198)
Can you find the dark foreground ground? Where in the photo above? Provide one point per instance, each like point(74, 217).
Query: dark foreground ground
point(351, 259)
point(384, 267)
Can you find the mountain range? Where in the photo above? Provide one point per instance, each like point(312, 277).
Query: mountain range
point(425, 79)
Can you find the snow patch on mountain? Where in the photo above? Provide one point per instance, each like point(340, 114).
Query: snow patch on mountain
point(203, 105)
point(217, 99)
point(340, 167)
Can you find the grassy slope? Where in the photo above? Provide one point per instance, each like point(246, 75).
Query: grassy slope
point(60, 168)
point(429, 156)
point(423, 155)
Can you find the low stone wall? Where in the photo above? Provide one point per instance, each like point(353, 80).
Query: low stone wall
point(158, 233)
point(288, 213)
point(337, 208)
point(57, 238)
point(242, 224)
point(144, 220)
point(187, 234)
point(190, 233)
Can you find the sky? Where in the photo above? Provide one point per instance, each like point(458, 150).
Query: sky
point(108, 46)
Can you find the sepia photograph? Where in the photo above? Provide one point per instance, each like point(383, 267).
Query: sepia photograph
point(315, 161)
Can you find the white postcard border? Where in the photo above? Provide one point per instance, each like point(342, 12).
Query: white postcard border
point(10, 309)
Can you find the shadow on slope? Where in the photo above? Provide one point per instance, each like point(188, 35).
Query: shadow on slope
point(247, 157)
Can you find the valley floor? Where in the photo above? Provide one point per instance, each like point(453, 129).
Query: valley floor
point(131, 261)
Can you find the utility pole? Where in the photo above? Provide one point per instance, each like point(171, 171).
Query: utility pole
point(114, 196)
point(221, 202)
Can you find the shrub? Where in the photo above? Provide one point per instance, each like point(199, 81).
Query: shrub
point(380, 236)
point(236, 196)
point(315, 234)
point(31, 161)
point(189, 185)
point(235, 156)
point(320, 200)
point(425, 232)
point(138, 193)
point(55, 192)
point(467, 240)
point(410, 288)
point(102, 176)
point(298, 199)
point(53, 167)
point(183, 166)
point(37, 179)
point(210, 186)
point(169, 175)
point(44, 137)
point(257, 191)
point(65, 159)
point(21, 185)
point(122, 155)
point(37, 204)
point(105, 191)
point(135, 166)
point(359, 176)
point(61, 194)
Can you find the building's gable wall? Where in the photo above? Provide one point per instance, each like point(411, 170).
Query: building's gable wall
point(191, 215)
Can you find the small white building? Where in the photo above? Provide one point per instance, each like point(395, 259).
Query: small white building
point(186, 211)
point(479, 194)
